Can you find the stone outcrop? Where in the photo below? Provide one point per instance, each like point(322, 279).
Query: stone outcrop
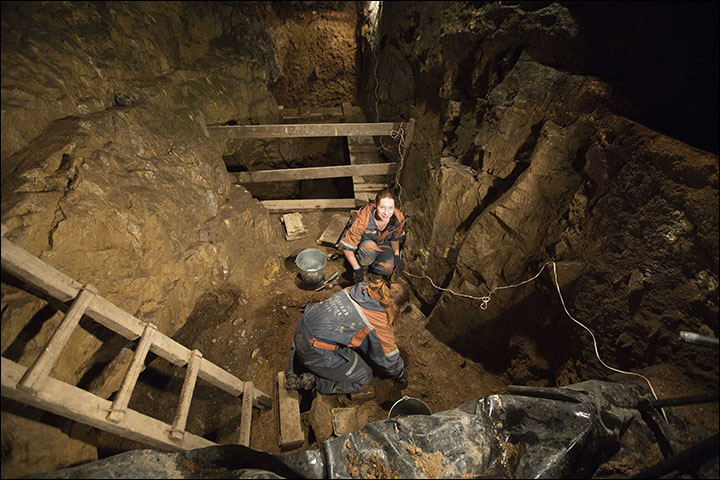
point(107, 176)
point(541, 162)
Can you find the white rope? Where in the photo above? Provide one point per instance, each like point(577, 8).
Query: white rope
point(486, 299)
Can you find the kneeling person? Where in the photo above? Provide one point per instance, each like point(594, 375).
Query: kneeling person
point(361, 318)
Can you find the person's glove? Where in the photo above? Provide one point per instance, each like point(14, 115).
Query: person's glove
point(357, 275)
point(399, 264)
point(402, 379)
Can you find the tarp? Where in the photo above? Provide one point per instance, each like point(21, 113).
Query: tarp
point(531, 433)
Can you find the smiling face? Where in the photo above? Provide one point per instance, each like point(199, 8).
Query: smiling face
point(385, 209)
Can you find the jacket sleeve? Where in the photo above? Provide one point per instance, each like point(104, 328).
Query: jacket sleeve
point(353, 235)
point(384, 354)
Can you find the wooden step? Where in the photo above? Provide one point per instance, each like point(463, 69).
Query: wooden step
point(38, 372)
point(290, 432)
point(119, 406)
point(186, 393)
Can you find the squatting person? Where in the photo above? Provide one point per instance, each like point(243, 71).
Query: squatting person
point(373, 240)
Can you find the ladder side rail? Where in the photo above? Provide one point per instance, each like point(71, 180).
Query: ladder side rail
point(215, 375)
point(33, 271)
point(82, 406)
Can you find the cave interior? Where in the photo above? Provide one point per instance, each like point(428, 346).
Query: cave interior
point(560, 188)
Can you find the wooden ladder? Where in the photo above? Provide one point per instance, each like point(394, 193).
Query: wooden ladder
point(34, 386)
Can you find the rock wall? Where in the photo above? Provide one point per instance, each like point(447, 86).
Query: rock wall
point(107, 177)
point(525, 152)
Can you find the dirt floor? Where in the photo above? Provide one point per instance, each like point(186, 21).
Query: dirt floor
point(250, 337)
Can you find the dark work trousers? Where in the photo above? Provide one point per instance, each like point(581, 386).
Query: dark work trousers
point(379, 258)
point(338, 371)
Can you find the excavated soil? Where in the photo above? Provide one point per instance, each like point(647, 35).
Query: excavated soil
point(250, 337)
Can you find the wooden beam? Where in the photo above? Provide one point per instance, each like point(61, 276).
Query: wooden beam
point(246, 414)
point(303, 130)
point(311, 173)
point(82, 406)
point(290, 435)
point(308, 204)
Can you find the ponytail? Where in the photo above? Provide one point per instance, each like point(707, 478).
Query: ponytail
point(391, 297)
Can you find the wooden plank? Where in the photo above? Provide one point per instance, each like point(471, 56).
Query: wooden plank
point(308, 204)
point(291, 434)
point(294, 228)
point(312, 111)
point(370, 187)
point(35, 375)
point(246, 414)
point(310, 173)
point(82, 406)
point(335, 228)
point(215, 375)
point(119, 406)
point(186, 393)
point(303, 130)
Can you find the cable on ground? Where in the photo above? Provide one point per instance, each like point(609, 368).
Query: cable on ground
point(486, 299)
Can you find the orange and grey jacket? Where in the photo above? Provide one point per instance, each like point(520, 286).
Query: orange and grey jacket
point(352, 318)
point(364, 228)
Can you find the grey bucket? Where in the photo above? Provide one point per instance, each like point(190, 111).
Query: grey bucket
point(409, 406)
point(311, 263)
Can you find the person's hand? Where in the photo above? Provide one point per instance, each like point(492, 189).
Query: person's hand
point(399, 264)
point(402, 379)
point(357, 275)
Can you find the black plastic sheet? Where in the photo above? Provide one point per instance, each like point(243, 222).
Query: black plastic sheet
point(532, 433)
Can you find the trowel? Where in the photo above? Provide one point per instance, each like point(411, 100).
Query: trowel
point(327, 282)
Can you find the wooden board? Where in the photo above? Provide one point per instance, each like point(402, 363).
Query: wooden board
point(246, 414)
point(303, 130)
point(335, 228)
point(309, 204)
point(294, 228)
point(290, 432)
point(311, 173)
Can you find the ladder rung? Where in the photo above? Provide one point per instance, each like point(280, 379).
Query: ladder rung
point(33, 378)
point(246, 413)
point(122, 399)
point(178, 427)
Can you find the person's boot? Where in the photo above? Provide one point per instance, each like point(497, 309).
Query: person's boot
point(305, 381)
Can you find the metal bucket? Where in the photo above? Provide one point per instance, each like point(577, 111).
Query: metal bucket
point(311, 263)
point(409, 406)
